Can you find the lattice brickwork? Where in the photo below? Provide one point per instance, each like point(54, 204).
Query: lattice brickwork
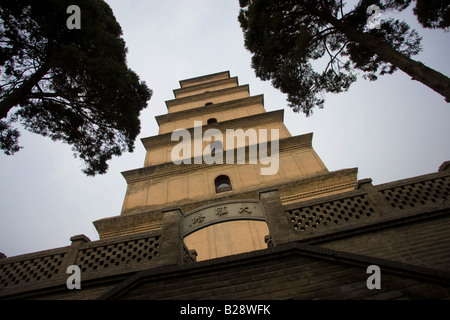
point(34, 269)
point(428, 192)
point(118, 254)
point(332, 213)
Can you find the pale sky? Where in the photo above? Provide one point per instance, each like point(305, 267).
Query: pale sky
point(391, 129)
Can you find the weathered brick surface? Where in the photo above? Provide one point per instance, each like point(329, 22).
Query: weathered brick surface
point(407, 228)
point(26, 275)
point(289, 273)
point(424, 243)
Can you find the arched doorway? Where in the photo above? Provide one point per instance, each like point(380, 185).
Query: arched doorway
point(228, 238)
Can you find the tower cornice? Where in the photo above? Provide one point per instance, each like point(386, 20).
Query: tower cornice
point(164, 118)
point(243, 123)
point(205, 86)
point(207, 95)
point(202, 79)
point(161, 171)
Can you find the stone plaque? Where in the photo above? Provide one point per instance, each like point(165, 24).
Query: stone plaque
point(220, 212)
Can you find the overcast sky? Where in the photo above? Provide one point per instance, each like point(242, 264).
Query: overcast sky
point(390, 129)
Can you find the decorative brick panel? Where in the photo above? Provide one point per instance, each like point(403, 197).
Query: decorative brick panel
point(118, 254)
point(332, 213)
point(91, 257)
point(420, 193)
point(29, 270)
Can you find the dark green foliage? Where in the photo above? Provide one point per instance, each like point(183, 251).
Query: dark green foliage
point(72, 85)
point(309, 48)
point(433, 13)
point(430, 13)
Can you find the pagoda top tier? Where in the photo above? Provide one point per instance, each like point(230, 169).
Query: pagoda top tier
point(204, 79)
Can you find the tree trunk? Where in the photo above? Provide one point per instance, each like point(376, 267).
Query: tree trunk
point(21, 94)
point(417, 70)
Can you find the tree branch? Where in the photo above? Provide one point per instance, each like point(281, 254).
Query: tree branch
point(334, 57)
point(74, 106)
point(21, 94)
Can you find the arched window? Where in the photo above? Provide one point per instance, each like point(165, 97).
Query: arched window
point(222, 184)
point(211, 121)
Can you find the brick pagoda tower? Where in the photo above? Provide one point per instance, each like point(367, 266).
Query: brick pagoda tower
point(229, 205)
point(214, 219)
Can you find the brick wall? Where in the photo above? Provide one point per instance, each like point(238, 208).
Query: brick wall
point(406, 220)
point(424, 243)
point(319, 248)
point(292, 271)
